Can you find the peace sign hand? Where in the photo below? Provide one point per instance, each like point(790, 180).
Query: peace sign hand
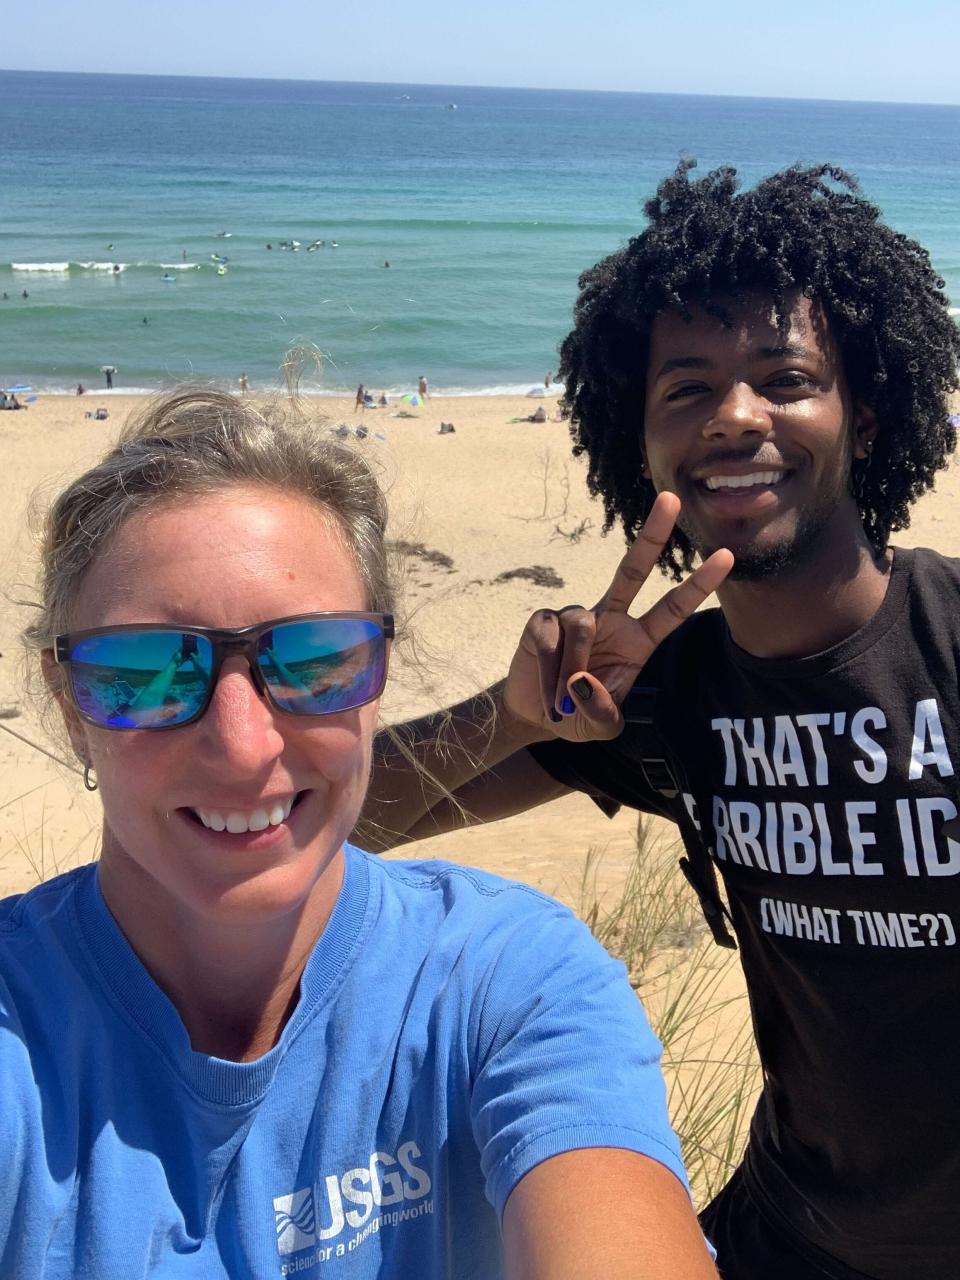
point(574, 666)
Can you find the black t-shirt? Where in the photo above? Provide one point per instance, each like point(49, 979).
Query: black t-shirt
point(827, 791)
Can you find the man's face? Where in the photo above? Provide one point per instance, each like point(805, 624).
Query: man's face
point(752, 427)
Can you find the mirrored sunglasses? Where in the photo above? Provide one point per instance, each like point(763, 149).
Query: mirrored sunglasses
point(162, 677)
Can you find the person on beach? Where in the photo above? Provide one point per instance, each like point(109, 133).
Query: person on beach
point(237, 1045)
point(761, 379)
point(422, 388)
point(244, 384)
point(358, 402)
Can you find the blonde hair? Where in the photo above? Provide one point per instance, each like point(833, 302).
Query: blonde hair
point(199, 442)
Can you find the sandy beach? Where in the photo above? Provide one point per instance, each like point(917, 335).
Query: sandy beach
point(495, 521)
point(489, 522)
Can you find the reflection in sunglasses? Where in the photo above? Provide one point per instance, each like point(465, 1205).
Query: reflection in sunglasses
point(326, 678)
point(128, 678)
point(168, 694)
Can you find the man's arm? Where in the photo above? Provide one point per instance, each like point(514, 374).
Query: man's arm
point(572, 669)
point(602, 1212)
point(456, 768)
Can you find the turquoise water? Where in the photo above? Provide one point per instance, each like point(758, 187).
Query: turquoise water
point(487, 203)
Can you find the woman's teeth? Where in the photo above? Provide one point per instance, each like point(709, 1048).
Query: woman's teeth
point(237, 823)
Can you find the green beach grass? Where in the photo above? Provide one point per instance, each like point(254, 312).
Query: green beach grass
point(694, 998)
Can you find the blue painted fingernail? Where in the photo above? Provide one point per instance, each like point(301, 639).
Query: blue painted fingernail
point(567, 706)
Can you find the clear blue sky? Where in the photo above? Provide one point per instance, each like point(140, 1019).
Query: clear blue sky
point(886, 50)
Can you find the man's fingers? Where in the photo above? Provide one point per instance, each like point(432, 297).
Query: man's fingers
point(543, 630)
point(599, 716)
point(635, 567)
point(677, 605)
point(578, 628)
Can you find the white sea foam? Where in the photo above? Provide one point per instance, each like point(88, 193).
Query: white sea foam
point(519, 389)
point(96, 392)
point(63, 268)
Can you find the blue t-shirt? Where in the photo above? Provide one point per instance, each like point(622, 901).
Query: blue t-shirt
point(453, 1030)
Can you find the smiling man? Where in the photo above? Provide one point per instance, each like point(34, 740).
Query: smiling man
point(760, 380)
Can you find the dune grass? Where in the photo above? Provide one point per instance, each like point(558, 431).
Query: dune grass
point(694, 996)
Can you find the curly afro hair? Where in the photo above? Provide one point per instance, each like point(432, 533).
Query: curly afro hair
point(806, 229)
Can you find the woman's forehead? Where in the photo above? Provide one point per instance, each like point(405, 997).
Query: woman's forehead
point(249, 554)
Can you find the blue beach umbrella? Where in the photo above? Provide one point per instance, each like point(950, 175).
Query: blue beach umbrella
point(411, 398)
point(19, 388)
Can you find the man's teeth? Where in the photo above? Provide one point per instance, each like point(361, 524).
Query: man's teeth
point(743, 482)
point(237, 823)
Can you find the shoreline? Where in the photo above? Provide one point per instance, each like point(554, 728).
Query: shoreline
point(532, 390)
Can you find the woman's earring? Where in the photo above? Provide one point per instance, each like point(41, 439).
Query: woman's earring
point(88, 781)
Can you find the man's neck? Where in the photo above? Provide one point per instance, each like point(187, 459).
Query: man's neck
point(807, 609)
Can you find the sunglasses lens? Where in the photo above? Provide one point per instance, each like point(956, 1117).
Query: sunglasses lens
point(323, 665)
point(141, 679)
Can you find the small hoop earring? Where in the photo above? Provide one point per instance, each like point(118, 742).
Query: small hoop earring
point(89, 782)
point(858, 478)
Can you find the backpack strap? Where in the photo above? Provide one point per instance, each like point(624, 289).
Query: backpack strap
point(664, 773)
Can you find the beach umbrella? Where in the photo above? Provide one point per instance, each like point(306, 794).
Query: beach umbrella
point(18, 389)
point(411, 398)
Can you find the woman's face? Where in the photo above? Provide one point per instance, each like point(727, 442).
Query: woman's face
point(228, 560)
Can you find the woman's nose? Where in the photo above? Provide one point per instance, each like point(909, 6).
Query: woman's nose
point(239, 726)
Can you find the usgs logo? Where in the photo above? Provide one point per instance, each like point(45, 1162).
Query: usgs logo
point(319, 1213)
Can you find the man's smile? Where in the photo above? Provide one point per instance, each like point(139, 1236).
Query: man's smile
point(751, 480)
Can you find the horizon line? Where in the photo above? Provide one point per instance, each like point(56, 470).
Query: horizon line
point(437, 84)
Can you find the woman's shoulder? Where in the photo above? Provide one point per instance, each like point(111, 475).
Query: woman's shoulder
point(451, 884)
point(42, 907)
point(39, 945)
point(476, 912)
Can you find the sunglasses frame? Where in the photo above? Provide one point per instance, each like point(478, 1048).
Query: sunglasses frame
point(239, 642)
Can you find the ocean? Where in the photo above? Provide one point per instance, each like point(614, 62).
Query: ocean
point(136, 212)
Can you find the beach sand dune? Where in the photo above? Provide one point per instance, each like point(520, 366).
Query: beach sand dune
point(489, 523)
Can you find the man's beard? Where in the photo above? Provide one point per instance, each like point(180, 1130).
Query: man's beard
point(782, 558)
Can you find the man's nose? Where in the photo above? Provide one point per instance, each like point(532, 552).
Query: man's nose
point(740, 411)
